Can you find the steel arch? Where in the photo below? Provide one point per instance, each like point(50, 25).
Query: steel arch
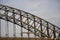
point(38, 26)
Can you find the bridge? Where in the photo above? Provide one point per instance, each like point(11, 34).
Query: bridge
point(39, 28)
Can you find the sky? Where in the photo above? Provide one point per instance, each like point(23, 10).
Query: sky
point(46, 9)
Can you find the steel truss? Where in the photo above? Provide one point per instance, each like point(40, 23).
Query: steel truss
point(38, 26)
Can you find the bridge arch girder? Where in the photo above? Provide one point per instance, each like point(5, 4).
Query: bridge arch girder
point(38, 26)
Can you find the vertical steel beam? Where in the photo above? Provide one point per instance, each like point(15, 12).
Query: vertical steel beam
point(14, 27)
point(14, 30)
point(21, 24)
point(0, 25)
point(7, 29)
point(34, 27)
point(6, 23)
point(28, 25)
point(48, 30)
point(41, 27)
point(54, 31)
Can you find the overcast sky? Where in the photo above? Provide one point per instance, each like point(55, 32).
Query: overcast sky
point(46, 9)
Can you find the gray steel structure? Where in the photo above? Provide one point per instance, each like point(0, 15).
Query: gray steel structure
point(38, 26)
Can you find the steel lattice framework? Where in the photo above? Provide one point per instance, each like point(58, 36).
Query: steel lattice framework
point(38, 26)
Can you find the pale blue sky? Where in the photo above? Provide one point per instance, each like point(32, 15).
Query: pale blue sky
point(46, 9)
